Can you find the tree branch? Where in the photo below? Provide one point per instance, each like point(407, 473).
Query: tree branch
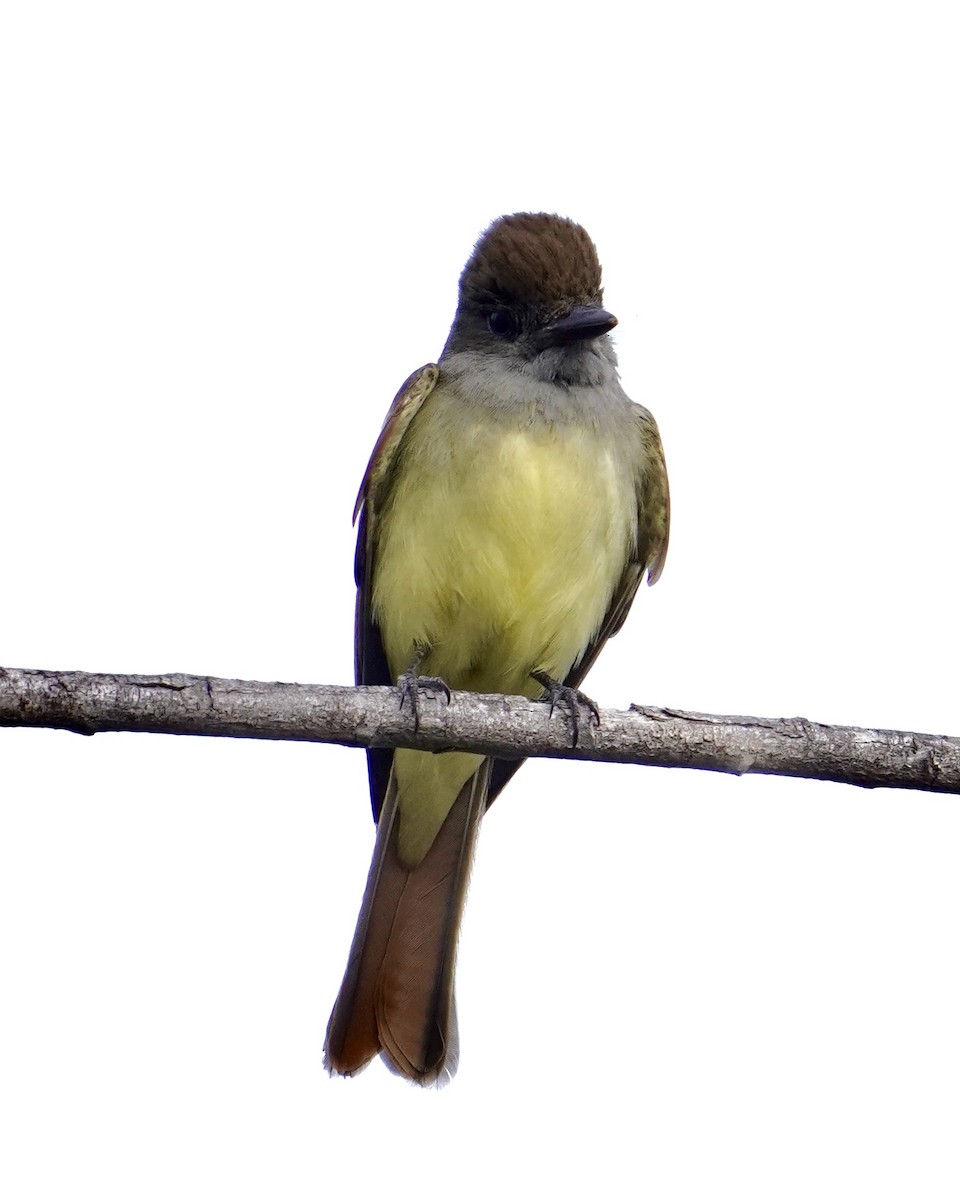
point(505, 726)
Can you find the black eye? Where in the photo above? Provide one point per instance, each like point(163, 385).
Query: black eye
point(503, 323)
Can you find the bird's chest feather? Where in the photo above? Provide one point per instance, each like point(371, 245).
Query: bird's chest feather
point(501, 543)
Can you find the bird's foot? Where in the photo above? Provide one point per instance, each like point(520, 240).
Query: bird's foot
point(572, 700)
point(411, 684)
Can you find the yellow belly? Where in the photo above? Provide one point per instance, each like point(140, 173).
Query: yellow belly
point(499, 560)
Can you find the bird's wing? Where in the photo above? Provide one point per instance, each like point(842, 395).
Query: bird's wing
point(653, 534)
point(370, 662)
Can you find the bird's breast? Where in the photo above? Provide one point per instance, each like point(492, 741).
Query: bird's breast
point(500, 544)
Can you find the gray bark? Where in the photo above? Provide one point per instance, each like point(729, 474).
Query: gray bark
point(505, 726)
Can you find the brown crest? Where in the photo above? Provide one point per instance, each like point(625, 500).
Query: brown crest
point(534, 259)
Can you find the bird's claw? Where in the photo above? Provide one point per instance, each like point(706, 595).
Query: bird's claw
point(411, 684)
point(572, 700)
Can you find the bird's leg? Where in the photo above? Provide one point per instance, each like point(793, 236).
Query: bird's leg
point(570, 698)
point(411, 683)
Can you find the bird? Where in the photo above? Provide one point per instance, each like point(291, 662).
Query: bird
point(513, 503)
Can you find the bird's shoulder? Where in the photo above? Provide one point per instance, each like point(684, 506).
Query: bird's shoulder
point(406, 404)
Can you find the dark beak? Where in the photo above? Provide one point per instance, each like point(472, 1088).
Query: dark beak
point(581, 324)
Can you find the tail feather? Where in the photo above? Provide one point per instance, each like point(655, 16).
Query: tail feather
point(352, 1037)
point(396, 998)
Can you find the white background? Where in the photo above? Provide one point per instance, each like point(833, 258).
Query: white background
point(229, 233)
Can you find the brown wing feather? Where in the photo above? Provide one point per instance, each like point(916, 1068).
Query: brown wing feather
point(370, 662)
point(653, 535)
point(406, 404)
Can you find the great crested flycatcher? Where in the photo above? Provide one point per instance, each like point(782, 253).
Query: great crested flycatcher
point(512, 504)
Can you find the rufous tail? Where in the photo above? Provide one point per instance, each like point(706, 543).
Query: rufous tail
point(396, 998)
